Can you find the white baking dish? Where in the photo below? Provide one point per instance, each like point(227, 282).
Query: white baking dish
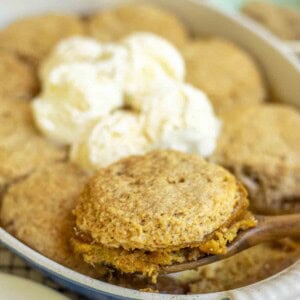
point(282, 71)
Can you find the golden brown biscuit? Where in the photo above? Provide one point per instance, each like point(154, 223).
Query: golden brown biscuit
point(225, 72)
point(15, 115)
point(111, 25)
point(282, 21)
point(38, 211)
point(17, 79)
point(245, 268)
point(22, 149)
point(33, 37)
point(156, 209)
point(261, 145)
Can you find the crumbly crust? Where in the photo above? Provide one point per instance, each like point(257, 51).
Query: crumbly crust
point(38, 211)
point(111, 25)
point(33, 37)
point(15, 115)
point(17, 78)
point(160, 200)
point(261, 145)
point(225, 72)
point(22, 149)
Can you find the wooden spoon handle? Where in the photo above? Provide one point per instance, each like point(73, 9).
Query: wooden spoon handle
point(269, 228)
point(273, 227)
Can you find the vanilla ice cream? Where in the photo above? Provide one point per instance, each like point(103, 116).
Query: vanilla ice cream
point(180, 117)
point(150, 60)
point(79, 87)
point(86, 86)
point(73, 49)
point(160, 50)
point(111, 138)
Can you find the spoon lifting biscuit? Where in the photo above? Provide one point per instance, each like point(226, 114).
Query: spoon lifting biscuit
point(159, 209)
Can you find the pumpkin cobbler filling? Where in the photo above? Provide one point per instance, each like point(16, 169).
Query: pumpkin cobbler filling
point(148, 261)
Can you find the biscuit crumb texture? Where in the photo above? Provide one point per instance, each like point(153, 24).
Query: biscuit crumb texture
point(38, 211)
point(32, 38)
point(17, 78)
point(225, 72)
point(112, 25)
point(261, 145)
point(22, 148)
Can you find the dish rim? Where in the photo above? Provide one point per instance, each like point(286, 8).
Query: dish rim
point(55, 269)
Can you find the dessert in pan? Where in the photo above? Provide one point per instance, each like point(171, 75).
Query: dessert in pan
point(126, 144)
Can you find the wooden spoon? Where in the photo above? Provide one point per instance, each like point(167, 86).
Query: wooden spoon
point(269, 228)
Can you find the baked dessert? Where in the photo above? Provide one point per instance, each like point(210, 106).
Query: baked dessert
point(38, 211)
point(282, 21)
point(260, 144)
point(111, 25)
point(17, 79)
point(212, 67)
point(15, 116)
point(158, 209)
point(39, 187)
point(22, 149)
point(245, 268)
point(32, 38)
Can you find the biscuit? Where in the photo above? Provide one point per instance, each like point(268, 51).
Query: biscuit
point(261, 145)
point(245, 268)
point(225, 72)
point(33, 37)
point(157, 209)
point(22, 149)
point(15, 115)
point(17, 79)
point(38, 211)
point(111, 25)
point(282, 21)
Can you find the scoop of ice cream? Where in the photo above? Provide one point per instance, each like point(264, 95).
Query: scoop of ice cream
point(74, 49)
point(109, 139)
point(74, 95)
point(160, 50)
point(150, 60)
point(61, 122)
point(82, 80)
point(179, 116)
point(86, 83)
